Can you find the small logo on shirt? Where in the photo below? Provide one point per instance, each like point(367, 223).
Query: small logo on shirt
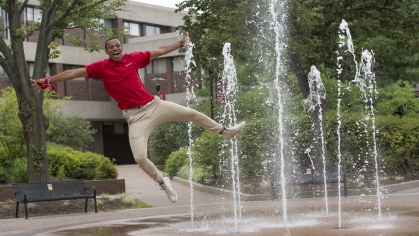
point(127, 65)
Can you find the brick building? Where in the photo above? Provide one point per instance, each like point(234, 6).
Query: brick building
point(149, 27)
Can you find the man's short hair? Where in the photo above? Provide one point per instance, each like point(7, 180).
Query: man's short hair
point(109, 39)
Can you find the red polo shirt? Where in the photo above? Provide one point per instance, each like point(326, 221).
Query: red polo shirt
point(121, 78)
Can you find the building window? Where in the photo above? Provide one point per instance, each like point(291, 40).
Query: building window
point(152, 30)
point(141, 72)
point(33, 14)
point(6, 25)
point(31, 66)
point(178, 64)
point(73, 67)
point(156, 67)
point(103, 24)
point(132, 28)
point(2, 73)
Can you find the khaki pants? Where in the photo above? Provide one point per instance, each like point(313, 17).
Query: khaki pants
point(142, 121)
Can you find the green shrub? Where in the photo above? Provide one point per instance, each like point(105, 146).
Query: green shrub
point(82, 173)
point(396, 139)
point(19, 171)
point(206, 152)
point(61, 173)
point(198, 172)
point(169, 137)
point(258, 144)
point(175, 161)
point(74, 132)
point(3, 176)
point(12, 141)
point(399, 144)
point(75, 164)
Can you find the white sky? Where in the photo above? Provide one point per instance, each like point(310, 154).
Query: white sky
point(164, 3)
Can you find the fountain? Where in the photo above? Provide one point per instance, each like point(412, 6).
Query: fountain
point(190, 95)
point(279, 46)
point(358, 213)
point(313, 106)
point(229, 118)
point(365, 81)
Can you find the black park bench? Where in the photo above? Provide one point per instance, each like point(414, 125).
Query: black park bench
point(51, 191)
point(309, 175)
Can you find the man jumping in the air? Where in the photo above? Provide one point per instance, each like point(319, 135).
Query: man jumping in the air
point(143, 111)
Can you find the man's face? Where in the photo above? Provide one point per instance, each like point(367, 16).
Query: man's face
point(114, 49)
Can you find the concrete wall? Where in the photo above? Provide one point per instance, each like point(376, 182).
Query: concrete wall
point(158, 15)
point(105, 111)
point(94, 110)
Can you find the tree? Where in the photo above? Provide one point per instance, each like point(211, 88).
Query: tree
point(56, 16)
point(212, 23)
point(385, 27)
point(388, 28)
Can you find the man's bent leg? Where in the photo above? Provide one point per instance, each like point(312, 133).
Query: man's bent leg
point(138, 136)
point(169, 111)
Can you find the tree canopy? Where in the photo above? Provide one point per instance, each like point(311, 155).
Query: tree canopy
point(388, 28)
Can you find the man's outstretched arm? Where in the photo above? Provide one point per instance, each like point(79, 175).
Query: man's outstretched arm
point(170, 48)
point(63, 76)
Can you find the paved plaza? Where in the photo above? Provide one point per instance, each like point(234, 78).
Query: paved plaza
point(166, 218)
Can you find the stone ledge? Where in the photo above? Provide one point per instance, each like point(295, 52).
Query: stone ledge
point(306, 194)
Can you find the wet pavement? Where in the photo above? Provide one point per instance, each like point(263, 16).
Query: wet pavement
point(215, 214)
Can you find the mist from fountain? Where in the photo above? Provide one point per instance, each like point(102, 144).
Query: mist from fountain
point(365, 81)
point(279, 28)
point(367, 59)
point(313, 103)
point(229, 82)
point(339, 116)
point(190, 94)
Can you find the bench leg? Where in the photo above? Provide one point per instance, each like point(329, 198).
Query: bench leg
point(85, 205)
point(95, 205)
point(17, 209)
point(25, 200)
point(94, 195)
point(26, 210)
point(345, 189)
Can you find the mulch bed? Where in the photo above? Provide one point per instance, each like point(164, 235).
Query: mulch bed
point(8, 209)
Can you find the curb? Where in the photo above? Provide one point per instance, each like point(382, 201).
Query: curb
point(306, 194)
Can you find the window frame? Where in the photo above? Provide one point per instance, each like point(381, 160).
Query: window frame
point(182, 63)
point(105, 22)
point(128, 28)
point(154, 29)
point(35, 12)
point(73, 67)
point(150, 69)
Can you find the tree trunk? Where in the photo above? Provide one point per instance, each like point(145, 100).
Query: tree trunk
point(34, 122)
